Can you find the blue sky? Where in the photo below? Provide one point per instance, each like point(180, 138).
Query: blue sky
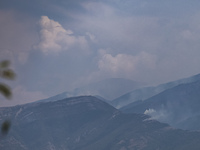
point(56, 46)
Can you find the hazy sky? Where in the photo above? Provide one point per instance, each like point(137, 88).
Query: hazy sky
point(58, 45)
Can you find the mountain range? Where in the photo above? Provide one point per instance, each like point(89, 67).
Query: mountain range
point(109, 89)
point(87, 123)
point(170, 102)
point(179, 106)
point(106, 90)
point(144, 93)
point(93, 122)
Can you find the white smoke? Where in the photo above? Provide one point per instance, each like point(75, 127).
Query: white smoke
point(160, 115)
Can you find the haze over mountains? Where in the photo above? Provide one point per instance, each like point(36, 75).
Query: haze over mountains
point(87, 123)
point(176, 103)
point(61, 46)
point(106, 90)
point(110, 88)
point(147, 92)
point(121, 92)
point(178, 106)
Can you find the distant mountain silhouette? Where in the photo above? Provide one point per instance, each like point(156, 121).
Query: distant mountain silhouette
point(106, 90)
point(109, 88)
point(147, 92)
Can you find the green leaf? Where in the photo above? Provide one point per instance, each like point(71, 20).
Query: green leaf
point(4, 64)
point(5, 90)
point(5, 127)
point(8, 74)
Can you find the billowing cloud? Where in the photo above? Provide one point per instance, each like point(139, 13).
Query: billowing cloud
point(126, 65)
point(55, 38)
point(121, 66)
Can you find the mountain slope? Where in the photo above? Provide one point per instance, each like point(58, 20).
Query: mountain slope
point(147, 92)
point(178, 106)
point(86, 123)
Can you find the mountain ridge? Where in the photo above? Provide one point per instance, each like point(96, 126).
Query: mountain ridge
point(147, 92)
point(87, 123)
point(178, 106)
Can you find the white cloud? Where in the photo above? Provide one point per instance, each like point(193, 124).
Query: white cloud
point(123, 65)
point(175, 41)
point(55, 38)
point(120, 62)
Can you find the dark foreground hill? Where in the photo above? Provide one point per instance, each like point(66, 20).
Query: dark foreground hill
point(87, 123)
